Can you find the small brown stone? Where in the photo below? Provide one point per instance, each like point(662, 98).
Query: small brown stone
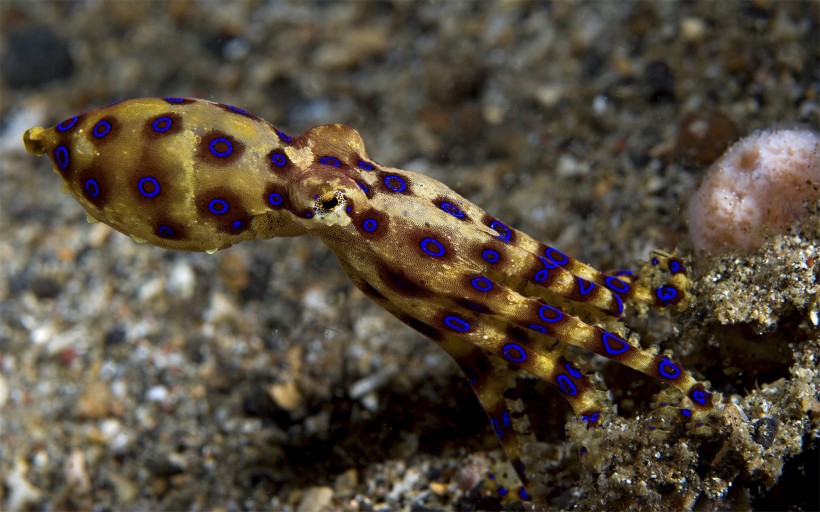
point(96, 401)
point(286, 395)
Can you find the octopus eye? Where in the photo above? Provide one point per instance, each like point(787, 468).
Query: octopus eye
point(330, 201)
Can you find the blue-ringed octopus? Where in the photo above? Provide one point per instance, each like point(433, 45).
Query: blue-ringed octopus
point(194, 175)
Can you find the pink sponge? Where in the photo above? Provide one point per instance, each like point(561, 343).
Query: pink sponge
point(760, 186)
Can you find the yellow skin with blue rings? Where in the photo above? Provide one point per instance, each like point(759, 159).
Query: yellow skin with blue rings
point(195, 175)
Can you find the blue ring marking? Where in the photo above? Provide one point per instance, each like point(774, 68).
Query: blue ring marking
point(616, 285)
point(309, 215)
point(655, 261)
point(174, 100)
point(365, 166)
point(538, 328)
point(686, 412)
point(237, 109)
point(439, 252)
point(278, 159)
point(101, 129)
point(585, 286)
point(675, 266)
point(668, 369)
point(148, 180)
point(482, 284)
point(220, 154)
point(370, 225)
point(502, 491)
point(275, 199)
point(237, 224)
point(559, 315)
point(699, 397)
point(572, 370)
point(620, 345)
point(67, 124)
point(504, 232)
point(556, 256)
point(566, 385)
point(497, 428)
point(330, 160)
point(509, 352)
point(591, 418)
point(162, 128)
point(284, 136)
point(92, 187)
point(541, 275)
point(523, 494)
point(400, 187)
point(348, 208)
point(625, 272)
point(620, 304)
point(452, 209)
point(505, 419)
point(218, 206)
point(666, 293)
point(457, 324)
point(547, 263)
point(165, 231)
point(490, 256)
point(61, 156)
point(363, 186)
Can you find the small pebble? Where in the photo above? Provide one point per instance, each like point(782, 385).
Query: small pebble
point(4, 391)
point(76, 474)
point(125, 489)
point(95, 402)
point(438, 488)
point(315, 499)
point(181, 280)
point(692, 29)
point(152, 290)
point(157, 394)
point(286, 395)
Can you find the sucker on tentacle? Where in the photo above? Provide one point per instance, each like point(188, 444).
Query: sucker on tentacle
point(195, 175)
